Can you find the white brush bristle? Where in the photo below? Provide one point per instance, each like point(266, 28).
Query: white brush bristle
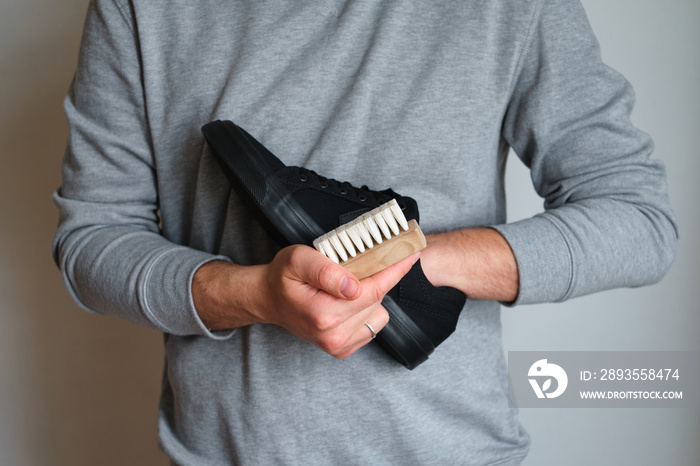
point(377, 225)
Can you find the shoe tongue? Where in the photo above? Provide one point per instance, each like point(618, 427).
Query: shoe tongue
point(350, 216)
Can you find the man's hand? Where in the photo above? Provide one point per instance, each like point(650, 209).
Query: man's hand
point(301, 291)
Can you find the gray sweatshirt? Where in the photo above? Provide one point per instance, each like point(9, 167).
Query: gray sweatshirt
point(423, 97)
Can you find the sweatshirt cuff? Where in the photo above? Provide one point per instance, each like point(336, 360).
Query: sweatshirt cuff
point(166, 294)
point(544, 258)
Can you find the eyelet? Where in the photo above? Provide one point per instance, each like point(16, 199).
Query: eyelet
point(343, 191)
point(402, 206)
point(303, 176)
point(363, 198)
point(323, 184)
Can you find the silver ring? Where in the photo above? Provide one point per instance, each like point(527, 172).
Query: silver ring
point(374, 334)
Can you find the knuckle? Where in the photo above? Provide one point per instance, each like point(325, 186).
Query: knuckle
point(332, 343)
point(382, 317)
point(343, 355)
point(294, 253)
point(327, 276)
point(324, 322)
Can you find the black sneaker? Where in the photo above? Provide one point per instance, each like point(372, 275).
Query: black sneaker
point(296, 205)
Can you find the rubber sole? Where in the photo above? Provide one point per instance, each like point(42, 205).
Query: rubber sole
point(250, 168)
point(402, 338)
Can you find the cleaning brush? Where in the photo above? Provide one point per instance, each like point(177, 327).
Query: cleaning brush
point(373, 241)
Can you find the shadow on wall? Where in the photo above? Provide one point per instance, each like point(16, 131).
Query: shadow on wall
point(76, 389)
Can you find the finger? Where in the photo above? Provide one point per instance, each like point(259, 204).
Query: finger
point(371, 329)
point(366, 325)
point(317, 270)
point(375, 287)
point(370, 294)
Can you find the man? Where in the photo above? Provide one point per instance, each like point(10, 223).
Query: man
point(424, 99)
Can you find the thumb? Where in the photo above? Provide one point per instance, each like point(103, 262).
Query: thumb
point(317, 270)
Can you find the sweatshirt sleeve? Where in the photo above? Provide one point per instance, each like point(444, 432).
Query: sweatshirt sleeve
point(108, 243)
point(607, 221)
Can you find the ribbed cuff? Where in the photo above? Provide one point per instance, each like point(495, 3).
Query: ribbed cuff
point(545, 261)
point(167, 292)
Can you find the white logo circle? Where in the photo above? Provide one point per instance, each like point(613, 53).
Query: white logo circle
point(546, 371)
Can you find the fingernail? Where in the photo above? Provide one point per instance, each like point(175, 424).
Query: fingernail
point(415, 258)
point(348, 287)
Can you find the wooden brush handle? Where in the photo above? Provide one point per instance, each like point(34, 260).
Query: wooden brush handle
point(388, 253)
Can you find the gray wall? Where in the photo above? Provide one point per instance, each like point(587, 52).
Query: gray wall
point(81, 390)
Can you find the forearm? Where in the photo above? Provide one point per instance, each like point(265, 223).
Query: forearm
point(225, 294)
point(476, 261)
point(607, 221)
point(126, 271)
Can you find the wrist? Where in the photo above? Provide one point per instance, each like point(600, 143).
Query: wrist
point(476, 261)
point(226, 295)
point(442, 262)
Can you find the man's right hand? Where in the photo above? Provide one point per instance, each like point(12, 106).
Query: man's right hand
point(300, 290)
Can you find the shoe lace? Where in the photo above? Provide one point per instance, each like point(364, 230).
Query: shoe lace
point(345, 187)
